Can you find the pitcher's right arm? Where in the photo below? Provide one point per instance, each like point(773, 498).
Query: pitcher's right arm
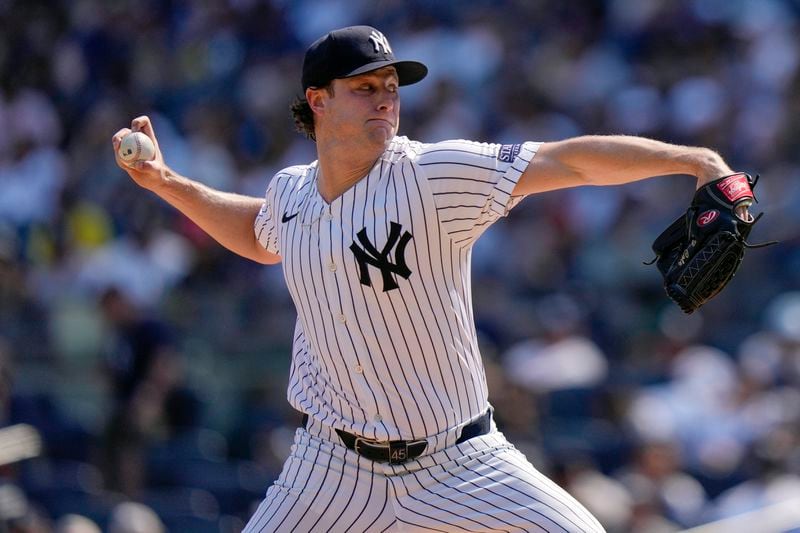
point(227, 217)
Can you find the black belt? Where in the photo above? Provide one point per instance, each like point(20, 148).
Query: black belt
point(399, 451)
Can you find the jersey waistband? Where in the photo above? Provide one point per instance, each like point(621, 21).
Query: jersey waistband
point(440, 441)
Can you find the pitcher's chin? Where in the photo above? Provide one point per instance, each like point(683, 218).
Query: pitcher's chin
point(381, 134)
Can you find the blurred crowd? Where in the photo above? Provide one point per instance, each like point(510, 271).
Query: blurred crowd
point(154, 363)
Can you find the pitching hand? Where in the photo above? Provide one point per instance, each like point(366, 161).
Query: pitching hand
point(147, 174)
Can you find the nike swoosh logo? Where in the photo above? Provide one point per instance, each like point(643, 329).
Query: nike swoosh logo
point(286, 218)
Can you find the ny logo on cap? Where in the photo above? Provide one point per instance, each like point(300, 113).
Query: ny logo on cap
point(379, 41)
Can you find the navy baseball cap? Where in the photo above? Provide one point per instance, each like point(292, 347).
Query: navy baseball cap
point(351, 51)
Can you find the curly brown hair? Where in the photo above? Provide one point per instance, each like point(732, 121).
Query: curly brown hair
point(303, 116)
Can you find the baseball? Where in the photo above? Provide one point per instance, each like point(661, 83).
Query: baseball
point(136, 146)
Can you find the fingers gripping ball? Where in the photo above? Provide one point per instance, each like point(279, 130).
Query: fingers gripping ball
point(136, 147)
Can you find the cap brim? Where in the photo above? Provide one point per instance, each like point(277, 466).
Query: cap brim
point(408, 72)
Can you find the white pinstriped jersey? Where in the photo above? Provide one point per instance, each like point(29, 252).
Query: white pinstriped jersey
point(385, 344)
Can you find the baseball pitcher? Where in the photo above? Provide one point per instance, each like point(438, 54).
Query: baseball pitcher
point(375, 239)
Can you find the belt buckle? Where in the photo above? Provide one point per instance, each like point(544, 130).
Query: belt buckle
point(373, 445)
point(394, 452)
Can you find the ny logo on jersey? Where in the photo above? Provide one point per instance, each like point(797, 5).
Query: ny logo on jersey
point(379, 41)
point(369, 255)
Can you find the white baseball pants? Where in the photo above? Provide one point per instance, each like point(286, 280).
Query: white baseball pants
point(481, 485)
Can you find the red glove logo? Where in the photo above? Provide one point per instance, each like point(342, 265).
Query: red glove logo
point(735, 187)
point(707, 218)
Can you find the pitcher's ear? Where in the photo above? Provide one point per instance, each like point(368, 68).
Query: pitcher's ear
point(316, 98)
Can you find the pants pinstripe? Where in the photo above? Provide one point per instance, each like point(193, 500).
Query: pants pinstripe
point(481, 485)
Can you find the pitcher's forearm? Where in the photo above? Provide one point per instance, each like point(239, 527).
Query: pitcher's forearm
point(227, 217)
point(614, 160)
point(609, 160)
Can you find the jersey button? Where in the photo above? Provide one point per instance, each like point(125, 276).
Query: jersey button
point(359, 369)
point(342, 319)
point(332, 266)
point(377, 418)
point(326, 217)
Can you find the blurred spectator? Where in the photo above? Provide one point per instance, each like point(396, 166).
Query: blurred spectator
point(604, 496)
point(139, 344)
point(143, 265)
point(73, 523)
point(18, 514)
point(562, 358)
point(660, 487)
point(151, 400)
point(131, 517)
point(697, 408)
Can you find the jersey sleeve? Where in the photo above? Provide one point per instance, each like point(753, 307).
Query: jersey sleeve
point(265, 226)
point(472, 182)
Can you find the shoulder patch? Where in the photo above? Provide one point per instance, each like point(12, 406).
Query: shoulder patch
point(508, 152)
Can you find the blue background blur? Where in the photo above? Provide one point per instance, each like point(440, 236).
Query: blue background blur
point(154, 362)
